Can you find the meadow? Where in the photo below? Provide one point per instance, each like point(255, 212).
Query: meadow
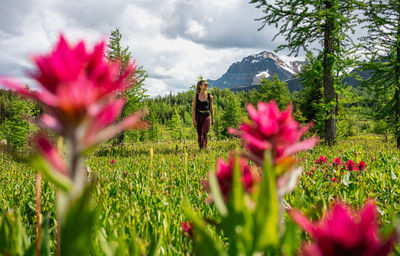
point(139, 189)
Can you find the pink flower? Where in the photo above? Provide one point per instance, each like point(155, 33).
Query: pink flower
point(361, 166)
point(344, 231)
point(351, 166)
point(334, 179)
point(112, 161)
point(79, 88)
point(51, 154)
point(187, 228)
point(270, 129)
point(337, 161)
point(224, 173)
point(320, 160)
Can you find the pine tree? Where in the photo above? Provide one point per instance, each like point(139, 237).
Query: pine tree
point(310, 98)
point(383, 50)
point(232, 113)
point(273, 90)
point(176, 128)
point(136, 94)
point(304, 22)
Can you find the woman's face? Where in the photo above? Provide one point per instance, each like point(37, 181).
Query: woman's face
point(204, 85)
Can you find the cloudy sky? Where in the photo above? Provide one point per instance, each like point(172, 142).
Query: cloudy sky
point(174, 40)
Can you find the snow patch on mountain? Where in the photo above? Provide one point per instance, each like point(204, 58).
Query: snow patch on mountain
point(257, 78)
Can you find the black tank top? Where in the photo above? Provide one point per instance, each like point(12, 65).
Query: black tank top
point(202, 105)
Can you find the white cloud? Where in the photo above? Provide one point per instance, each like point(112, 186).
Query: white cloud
point(174, 40)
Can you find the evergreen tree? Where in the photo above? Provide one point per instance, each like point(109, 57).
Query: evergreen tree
point(176, 129)
point(15, 113)
point(304, 22)
point(310, 99)
point(232, 113)
point(273, 89)
point(136, 94)
point(383, 50)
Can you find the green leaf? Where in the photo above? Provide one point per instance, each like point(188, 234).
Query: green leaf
point(154, 248)
point(57, 178)
point(266, 215)
point(13, 237)
point(217, 196)
point(204, 242)
point(78, 226)
point(291, 239)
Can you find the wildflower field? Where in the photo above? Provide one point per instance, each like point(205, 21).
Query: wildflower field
point(268, 190)
point(139, 198)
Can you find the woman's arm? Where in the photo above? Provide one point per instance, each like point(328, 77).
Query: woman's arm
point(212, 109)
point(194, 111)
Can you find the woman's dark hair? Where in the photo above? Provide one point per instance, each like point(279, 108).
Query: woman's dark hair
point(198, 85)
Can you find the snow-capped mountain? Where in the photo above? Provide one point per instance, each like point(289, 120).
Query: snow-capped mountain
point(251, 69)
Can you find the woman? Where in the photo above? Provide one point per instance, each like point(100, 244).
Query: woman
point(201, 110)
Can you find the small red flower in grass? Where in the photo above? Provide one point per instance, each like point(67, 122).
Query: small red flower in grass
point(321, 160)
point(361, 166)
point(112, 161)
point(334, 179)
point(351, 166)
point(187, 228)
point(344, 231)
point(224, 173)
point(270, 129)
point(337, 161)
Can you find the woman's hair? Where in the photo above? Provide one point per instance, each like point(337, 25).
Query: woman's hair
point(198, 85)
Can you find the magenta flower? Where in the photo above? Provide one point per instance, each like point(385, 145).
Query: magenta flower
point(334, 179)
point(361, 166)
point(270, 129)
point(224, 173)
point(112, 161)
point(321, 160)
point(351, 166)
point(187, 228)
point(344, 231)
point(79, 88)
point(337, 161)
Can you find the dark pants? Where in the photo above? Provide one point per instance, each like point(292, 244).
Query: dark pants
point(203, 126)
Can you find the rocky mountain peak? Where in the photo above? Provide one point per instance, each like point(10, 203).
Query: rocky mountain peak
point(251, 69)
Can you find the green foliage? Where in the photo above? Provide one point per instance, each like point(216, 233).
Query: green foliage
point(232, 113)
point(176, 128)
point(273, 89)
point(14, 115)
point(139, 196)
point(13, 237)
point(327, 22)
point(382, 45)
point(136, 95)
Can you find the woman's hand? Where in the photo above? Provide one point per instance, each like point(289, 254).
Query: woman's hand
point(195, 123)
point(212, 121)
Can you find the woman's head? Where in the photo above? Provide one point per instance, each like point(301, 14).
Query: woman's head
point(199, 84)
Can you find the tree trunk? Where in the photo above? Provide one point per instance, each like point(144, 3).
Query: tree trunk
point(329, 89)
point(397, 90)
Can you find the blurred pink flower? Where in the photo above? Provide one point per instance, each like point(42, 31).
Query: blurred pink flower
point(351, 166)
point(334, 179)
point(337, 161)
point(344, 231)
point(112, 161)
point(321, 160)
point(187, 228)
point(361, 166)
point(79, 88)
point(224, 173)
point(270, 129)
point(50, 154)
